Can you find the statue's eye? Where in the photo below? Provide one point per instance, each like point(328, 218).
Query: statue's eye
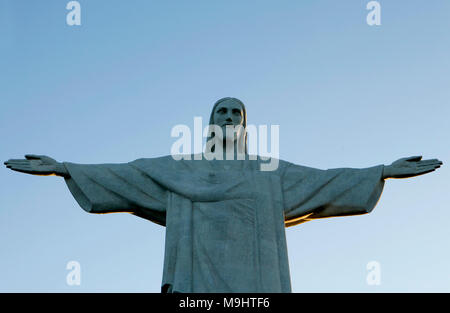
point(237, 111)
point(222, 110)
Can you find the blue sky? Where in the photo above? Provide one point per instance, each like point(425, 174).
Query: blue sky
point(345, 94)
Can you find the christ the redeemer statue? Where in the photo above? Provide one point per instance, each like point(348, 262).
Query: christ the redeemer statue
point(225, 219)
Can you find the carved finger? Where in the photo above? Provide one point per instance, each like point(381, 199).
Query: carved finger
point(33, 156)
point(22, 170)
point(10, 165)
point(416, 158)
point(20, 163)
point(17, 161)
point(426, 169)
point(426, 172)
point(418, 173)
point(19, 167)
point(26, 171)
point(432, 165)
point(436, 165)
point(433, 161)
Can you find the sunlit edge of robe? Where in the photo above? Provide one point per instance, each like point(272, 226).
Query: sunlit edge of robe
point(225, 229)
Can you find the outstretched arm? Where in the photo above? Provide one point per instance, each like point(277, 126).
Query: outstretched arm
point(312, 193)
point(103, 188)
point(38, 165)
point(410, 167)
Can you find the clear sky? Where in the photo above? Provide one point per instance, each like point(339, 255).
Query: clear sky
point(344, 93)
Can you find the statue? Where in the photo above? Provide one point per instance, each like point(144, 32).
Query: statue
point(225, 219)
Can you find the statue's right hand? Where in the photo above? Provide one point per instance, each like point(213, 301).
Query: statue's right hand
point(34, 164)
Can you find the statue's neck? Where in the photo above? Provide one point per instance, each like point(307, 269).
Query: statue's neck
point(229, 150)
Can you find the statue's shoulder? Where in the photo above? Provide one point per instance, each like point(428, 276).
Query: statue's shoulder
point(269, 165)
point(162, 160)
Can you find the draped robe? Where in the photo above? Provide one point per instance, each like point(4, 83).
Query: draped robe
point(225, 220)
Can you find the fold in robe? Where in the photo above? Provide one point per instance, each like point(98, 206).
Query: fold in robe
point(225, 220)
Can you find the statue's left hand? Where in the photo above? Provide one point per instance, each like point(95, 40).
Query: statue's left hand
point(410, 167)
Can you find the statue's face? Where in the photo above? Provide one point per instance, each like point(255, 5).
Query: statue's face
point(228, 112)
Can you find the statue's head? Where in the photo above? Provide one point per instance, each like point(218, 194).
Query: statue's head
point(229, 112)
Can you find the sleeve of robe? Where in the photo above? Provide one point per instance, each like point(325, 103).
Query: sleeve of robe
point(110, 188)
point(311, 193)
